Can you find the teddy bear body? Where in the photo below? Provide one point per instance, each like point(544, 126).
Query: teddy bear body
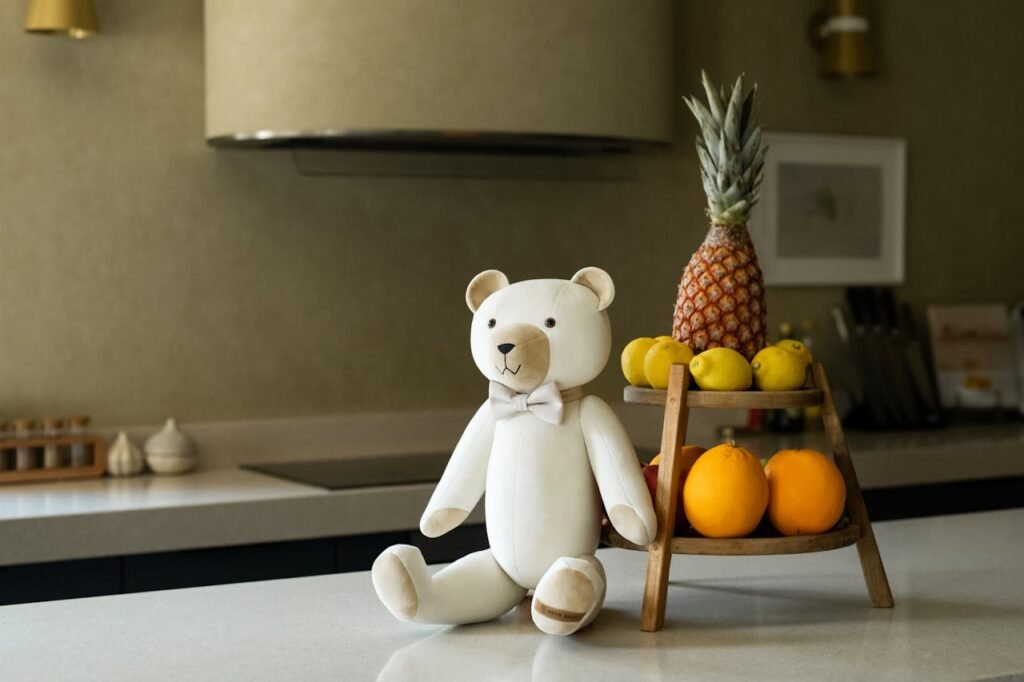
point(553, 510)
point(547, 457)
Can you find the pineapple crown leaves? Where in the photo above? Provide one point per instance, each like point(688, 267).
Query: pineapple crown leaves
point(729, 149)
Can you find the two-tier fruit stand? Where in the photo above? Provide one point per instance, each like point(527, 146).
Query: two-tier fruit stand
point(853, 528)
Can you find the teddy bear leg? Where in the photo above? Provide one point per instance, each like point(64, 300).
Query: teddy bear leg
point(471, 590)
point(569, 595)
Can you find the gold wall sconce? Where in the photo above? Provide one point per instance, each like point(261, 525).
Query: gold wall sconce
point(71, 18)
point(840, 34)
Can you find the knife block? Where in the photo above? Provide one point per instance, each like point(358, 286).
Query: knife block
point(853, 528)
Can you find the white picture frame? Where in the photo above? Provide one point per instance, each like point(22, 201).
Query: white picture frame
point(832, 210)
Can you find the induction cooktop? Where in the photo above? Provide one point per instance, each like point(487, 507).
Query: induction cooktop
point(359, 472)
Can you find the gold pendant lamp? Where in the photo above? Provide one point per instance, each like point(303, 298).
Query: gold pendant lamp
point(72, 18)
point(840, 33)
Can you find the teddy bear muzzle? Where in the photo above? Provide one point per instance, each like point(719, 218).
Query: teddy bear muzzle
point(521, 355)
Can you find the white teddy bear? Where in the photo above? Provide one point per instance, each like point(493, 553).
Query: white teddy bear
point(547, 457)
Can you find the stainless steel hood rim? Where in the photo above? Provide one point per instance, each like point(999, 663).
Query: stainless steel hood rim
point(438, 141)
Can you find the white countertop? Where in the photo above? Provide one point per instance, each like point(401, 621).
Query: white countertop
point(959, 614)
point(207, 508)
point(106, 495)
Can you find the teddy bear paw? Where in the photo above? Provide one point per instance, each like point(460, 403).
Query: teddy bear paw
point(629, 525)
point(440, 521)
point(393, 579)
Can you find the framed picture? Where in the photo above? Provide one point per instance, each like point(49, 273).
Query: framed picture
point(831, 210)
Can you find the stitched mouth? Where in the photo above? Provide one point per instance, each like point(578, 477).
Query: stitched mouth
point(508, 369)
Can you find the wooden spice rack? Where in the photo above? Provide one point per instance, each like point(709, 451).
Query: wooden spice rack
point(853, 528)
point(95, 444)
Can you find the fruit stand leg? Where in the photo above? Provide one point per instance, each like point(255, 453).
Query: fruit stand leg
point(867, 548)
point(660, 552)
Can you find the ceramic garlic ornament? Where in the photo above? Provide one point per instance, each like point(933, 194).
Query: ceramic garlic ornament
point(169, 451)
point(125, 458)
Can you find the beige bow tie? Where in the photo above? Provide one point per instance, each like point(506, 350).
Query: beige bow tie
point(546, 402)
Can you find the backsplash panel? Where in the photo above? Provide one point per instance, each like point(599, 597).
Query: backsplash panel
point(144, 274)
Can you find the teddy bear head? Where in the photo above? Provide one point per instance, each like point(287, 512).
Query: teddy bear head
point(537, 331)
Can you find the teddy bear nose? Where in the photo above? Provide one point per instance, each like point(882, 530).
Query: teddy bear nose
point(506, 348)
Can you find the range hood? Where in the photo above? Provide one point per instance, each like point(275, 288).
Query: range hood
point(517, 76)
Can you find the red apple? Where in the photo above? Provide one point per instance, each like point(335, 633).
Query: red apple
point(651, 478)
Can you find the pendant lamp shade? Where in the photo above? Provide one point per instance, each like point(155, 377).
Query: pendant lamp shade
point(72, 18)
point(843, 35)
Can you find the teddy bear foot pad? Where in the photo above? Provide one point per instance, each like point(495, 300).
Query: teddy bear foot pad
point(569, 596)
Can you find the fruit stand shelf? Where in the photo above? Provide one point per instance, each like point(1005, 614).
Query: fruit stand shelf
point(853, 528)
point(843, 535)
point(766, 400)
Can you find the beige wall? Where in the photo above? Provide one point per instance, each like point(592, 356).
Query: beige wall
point(144, 274)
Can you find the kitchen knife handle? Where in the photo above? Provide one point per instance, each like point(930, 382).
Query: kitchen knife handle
point(907, 322)
point(857, 312)
point(887, 309)
point(843, 329)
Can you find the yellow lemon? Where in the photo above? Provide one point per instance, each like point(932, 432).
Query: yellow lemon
point(721, 369)
point(776, 369)
point(633, 360)
point(663, 338)
point(660, 358)
point(798, 349)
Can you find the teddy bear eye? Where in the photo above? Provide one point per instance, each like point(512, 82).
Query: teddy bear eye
point(491, 322)
point(549, 323)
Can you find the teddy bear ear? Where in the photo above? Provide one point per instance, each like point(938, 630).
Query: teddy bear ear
point(483, 285)
point(598, 281)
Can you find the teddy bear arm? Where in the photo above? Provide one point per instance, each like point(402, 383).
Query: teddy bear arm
point(617, 471)
point(462, 484)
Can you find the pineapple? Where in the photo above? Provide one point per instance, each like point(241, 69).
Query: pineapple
point(721, 295)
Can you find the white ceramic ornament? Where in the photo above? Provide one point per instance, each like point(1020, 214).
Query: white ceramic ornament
point(125, 458)
point(169, 451)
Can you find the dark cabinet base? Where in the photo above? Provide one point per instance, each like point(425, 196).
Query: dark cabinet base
point(60, 580)
point(938, 499)
point(221, 565)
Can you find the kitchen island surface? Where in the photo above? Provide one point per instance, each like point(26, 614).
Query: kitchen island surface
point(209, 508)
point(957, 581)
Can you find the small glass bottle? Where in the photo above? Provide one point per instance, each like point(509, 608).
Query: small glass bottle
point(24, 457)
point(4, 452)
point(81, 455)
point(52, 456)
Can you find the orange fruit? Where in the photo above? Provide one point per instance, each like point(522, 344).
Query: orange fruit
point(808, 493)
point(688, 455)
point(726, 493)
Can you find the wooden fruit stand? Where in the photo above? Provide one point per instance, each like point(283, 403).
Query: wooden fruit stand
point(853, 528)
